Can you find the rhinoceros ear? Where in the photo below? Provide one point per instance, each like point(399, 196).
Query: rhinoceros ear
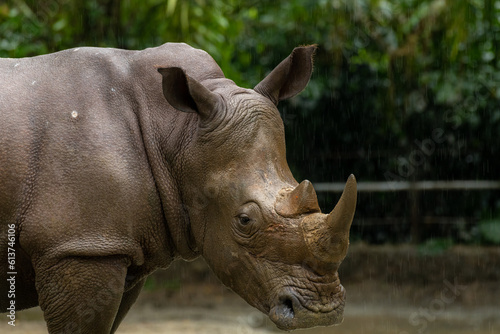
point(185, 93)
point(290, 77)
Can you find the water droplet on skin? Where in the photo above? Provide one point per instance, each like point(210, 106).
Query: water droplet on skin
point(74, 114)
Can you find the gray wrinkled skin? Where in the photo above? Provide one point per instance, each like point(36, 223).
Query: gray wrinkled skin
point(114, 163)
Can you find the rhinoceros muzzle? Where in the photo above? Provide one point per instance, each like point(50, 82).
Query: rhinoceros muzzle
point(290, 312)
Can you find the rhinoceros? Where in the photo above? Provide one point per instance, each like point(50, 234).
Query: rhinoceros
point(114, 163)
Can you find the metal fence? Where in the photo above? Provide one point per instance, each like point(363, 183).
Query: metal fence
point(413, 188)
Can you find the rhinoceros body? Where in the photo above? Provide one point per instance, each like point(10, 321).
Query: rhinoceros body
point(114, 163)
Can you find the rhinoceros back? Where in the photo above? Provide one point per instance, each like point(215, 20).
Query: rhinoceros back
point(72, 157)
point(54, 109)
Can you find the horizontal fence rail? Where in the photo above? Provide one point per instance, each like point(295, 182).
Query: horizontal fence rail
point(411, 186)
point(414, 218)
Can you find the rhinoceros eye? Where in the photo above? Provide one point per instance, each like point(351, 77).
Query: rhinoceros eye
point(247, 220)
point(244, 219)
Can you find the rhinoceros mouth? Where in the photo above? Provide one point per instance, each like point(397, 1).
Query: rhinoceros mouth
point(291, 312)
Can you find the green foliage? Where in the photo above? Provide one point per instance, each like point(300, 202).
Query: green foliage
point(31, 27)
point(489, 231)
point(435, 246)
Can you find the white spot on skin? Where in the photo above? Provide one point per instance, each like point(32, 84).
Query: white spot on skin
point(16, 65)
point(112, 89)
point(74, 114)
point(34, 82)
point(76, 49)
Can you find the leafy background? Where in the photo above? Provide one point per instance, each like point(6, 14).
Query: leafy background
point(390, 76)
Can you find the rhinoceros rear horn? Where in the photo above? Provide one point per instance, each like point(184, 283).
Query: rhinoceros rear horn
point(301, 200)
point(290, 77)
point(185, 93)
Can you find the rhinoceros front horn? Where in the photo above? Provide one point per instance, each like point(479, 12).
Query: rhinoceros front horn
point(327, 236)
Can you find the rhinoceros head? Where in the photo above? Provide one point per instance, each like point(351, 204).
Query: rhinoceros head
point(261, 232)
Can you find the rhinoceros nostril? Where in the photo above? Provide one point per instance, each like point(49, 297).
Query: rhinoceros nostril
point(284, 310)
point(288, 308)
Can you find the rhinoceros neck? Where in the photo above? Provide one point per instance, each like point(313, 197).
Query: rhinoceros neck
point(165, 155)
point(167, 133)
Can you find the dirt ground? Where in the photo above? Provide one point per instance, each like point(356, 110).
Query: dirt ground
point(457, 292)
point(228, 314)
